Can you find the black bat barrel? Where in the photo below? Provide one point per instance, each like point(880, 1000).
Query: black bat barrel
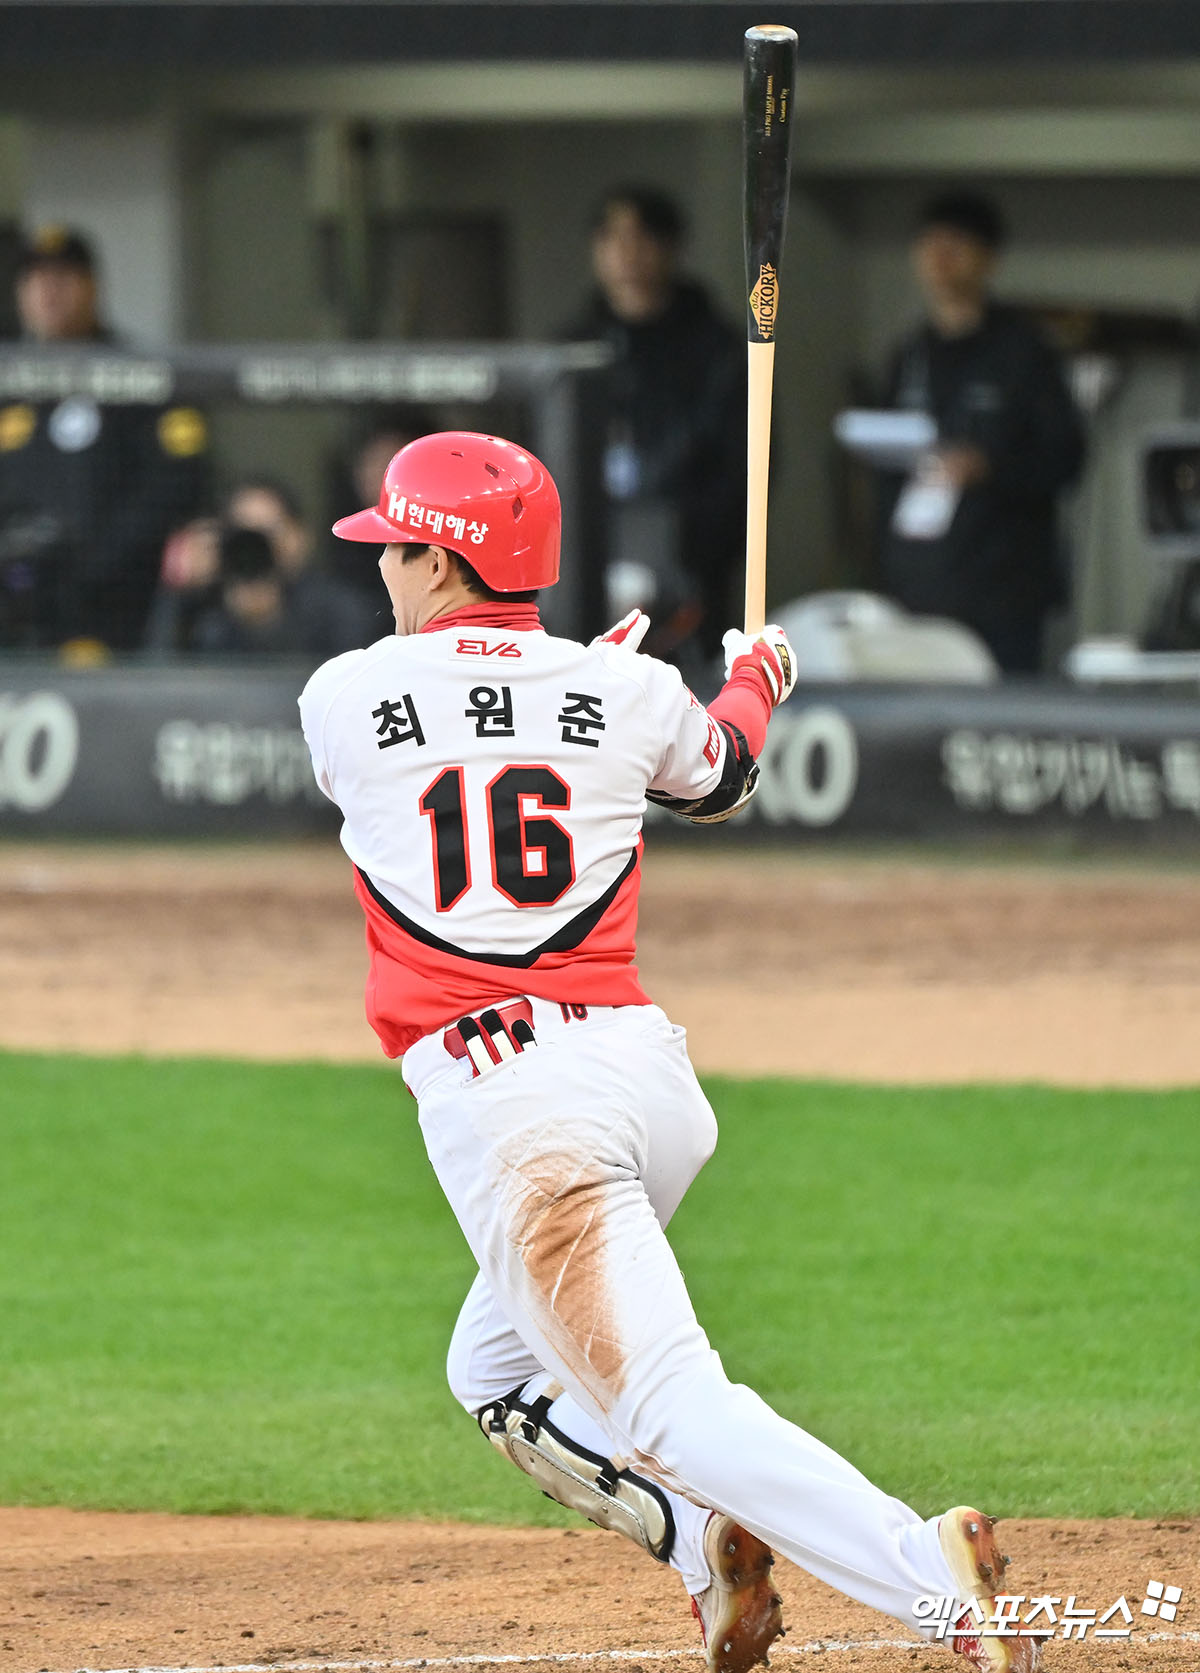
point(768, 96)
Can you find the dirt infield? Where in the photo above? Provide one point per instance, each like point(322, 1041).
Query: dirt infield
point(867, 969)
point(863, 969)
point(79, 1590)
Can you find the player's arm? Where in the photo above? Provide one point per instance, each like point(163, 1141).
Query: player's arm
point(707, 769)
point(760, 674)
point(315, 702)
point(734, 788)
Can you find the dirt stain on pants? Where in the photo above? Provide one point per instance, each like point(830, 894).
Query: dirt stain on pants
point(554, 1212)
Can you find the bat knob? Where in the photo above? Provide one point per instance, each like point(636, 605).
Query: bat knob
point(773, 32)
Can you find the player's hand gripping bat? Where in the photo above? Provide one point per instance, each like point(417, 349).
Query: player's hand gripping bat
point(769, 81)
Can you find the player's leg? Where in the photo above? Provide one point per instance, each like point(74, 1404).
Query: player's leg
point(543, 1431)
point(486, 1358)
point(725, 1568)
point(548, 1165)
point(546, 1433)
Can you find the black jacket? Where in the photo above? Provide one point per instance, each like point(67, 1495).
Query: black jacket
point(1000, 389)
point(677, 389)
point(321, 617)
point(88, 495)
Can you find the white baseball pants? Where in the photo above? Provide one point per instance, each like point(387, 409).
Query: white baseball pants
point(562, 1167)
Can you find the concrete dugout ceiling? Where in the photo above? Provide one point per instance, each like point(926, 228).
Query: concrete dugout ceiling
point(1142, 117)
point(850, 122)
point(477, 90)
point(1056, 141)
point(831, 31)
point(484, 92)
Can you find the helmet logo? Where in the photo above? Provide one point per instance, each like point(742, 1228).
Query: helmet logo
point(402, 511)
point(480, 497)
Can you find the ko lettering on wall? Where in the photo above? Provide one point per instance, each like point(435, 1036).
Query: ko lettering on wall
point(809, 774)
point(809, 769)
point(39, 749)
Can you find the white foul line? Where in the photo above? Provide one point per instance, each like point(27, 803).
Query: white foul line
point(817, 1646)
point(560, 1659)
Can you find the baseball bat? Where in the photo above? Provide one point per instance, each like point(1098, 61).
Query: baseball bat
point(768, 83)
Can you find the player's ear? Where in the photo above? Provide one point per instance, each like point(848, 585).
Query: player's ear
point(442, 566)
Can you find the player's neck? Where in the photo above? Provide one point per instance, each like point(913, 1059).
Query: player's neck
point(486, 613)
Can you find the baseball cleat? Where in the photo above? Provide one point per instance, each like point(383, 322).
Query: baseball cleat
point(740, 1613)
point(969, 1546)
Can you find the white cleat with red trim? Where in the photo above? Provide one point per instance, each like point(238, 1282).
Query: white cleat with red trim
point(740, 1613)
point(969, 1545)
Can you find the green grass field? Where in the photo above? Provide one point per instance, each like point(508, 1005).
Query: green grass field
point(229, 1287)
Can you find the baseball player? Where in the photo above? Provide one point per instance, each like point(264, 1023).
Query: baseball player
point(493, 781)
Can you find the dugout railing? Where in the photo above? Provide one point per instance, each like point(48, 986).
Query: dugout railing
point(192, 748)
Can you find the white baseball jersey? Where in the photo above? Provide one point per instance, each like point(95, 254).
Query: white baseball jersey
point(493, 781)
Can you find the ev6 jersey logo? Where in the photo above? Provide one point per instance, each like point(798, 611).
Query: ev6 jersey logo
point(39, 747)
point(482, 647)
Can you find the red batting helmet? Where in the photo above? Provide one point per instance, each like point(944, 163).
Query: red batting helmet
point(479, 496)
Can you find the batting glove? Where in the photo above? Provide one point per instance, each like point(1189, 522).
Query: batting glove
point(629, 631)
point(769, 654)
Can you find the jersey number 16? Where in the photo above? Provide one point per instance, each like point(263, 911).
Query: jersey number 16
point(532, 858)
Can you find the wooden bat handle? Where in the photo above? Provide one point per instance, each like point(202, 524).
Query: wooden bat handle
point(760, 374)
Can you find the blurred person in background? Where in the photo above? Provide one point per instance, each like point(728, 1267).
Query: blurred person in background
point(251, 614)
point(354, 481)
point(188, 585)
point(972, 532)
point(318, 615)
point(674, 426)
point(88, 494)
point(333, 616)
